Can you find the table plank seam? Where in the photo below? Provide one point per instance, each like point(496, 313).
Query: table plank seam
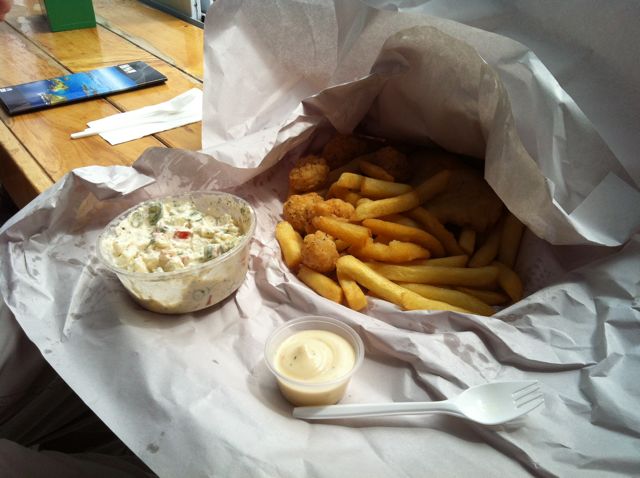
point(39, 46)
point(144, 45)
point(107, 99)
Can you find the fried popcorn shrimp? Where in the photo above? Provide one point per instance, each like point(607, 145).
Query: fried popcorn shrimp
point(309, 174)
point(332, 207)
point(392, 161)
point(342, 148)
point(296, 210)
point(319, 252)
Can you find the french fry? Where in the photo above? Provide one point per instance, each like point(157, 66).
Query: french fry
point(354, 234)
point(449, 261)
point(414, 261)
point(433, 186)
point(481, 277)
point(435, 227)
point(467, 240)
point(488, 251)
point(320, 283)
point(384, 207)
point(341, 245)
point(509, 282)
point(394, 252)
point(374, 171)
point(405, 233)
point(351, 167)
point(489, 297)
point(290, 244)
point(413, 301)
point(383, 239)
point(378, 189)
point(336, 191)
point(352, 198)
point(400, 219)
point(404, 202)
point(386, 289)
point(450, 296)
point(512, 230)
point(350, 181)
point(343, 193)
point(355, 298)
point(373, 281)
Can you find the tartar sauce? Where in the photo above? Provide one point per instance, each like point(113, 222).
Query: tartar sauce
point(314, 356)
point(163, 236)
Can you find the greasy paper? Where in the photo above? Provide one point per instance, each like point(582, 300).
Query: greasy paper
point(191, 394)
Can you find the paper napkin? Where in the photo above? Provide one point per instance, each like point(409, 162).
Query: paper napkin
point(184, 109)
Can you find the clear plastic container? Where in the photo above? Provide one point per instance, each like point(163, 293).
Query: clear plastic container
point(310, 392)
point(198, 286)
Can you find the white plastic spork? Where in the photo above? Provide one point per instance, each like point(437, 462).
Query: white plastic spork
point(488, 404)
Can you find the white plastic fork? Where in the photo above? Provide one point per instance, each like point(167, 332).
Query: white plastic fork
point(488, 404)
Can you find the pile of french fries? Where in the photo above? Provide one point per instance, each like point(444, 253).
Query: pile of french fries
point(393, 248)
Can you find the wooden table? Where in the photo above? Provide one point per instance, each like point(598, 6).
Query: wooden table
point(35, 148)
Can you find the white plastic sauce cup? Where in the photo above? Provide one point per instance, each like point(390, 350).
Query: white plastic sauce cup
point(302, 392)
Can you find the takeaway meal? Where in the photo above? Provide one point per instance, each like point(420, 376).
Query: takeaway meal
point(419, 228)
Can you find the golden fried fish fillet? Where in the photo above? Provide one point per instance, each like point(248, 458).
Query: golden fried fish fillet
point(427, 162)
point(467, 201)
point(391, 160)
point(342, 148)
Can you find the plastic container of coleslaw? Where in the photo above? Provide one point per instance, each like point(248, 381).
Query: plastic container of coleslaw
point(199, 285)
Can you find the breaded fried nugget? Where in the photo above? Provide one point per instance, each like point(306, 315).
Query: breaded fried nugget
point(392, 161)
point(319, 252)
point(309, 174)
point(467, 201)
point(296, 209)
point(342, 148)
point(332, 207)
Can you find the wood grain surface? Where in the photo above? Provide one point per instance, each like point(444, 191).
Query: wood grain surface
point(35, 147)
point(171, 39)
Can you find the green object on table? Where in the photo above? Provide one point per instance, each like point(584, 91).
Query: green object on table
point(69, 14)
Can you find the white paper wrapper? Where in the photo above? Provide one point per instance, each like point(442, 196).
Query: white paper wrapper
point(429, 83)
point(191, 394)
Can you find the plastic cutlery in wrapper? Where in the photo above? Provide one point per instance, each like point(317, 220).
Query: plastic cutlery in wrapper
point(184, 109)
point(487, 404)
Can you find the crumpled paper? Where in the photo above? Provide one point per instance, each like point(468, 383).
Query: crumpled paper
point(536, 155)
point(191, 394)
